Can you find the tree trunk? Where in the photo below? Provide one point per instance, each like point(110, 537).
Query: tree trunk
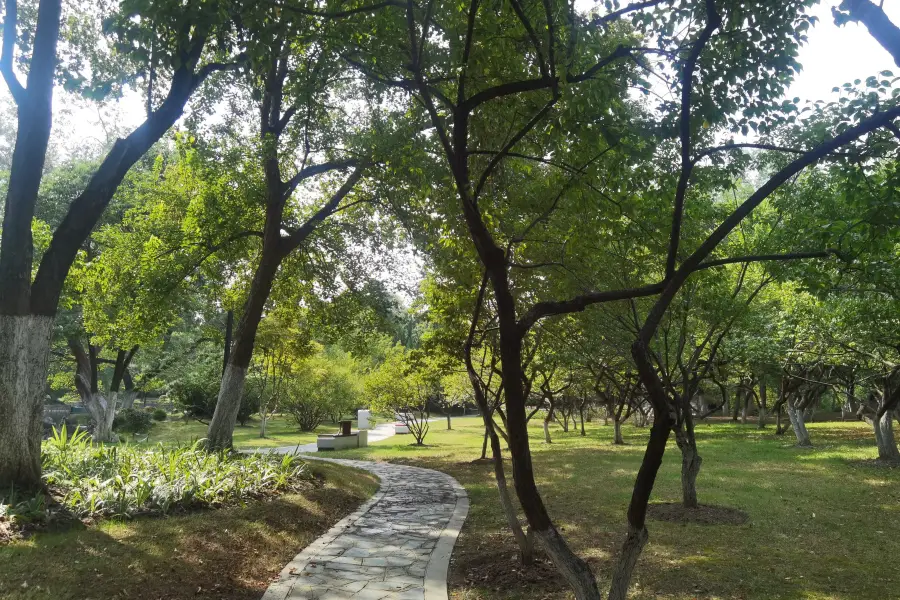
point(628, 557)
point(220, 434)
point(779, 423)
point(796, 417)
point(448, 418)
point(126, 399)
point(102, 411)
point(547, 439)
point(229, 329)
point(637, 535)
point(581, 414)
point(574, 570)
point(690, 467)
point(24, 354)
point(617, 428)
point(877, 22)
point(763, 400)
point(884, 438)
point(221, 426)
point(745, 405)
point(523, 540)
point(484, 443)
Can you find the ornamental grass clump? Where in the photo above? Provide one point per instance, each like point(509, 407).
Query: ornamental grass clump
point(92, 480)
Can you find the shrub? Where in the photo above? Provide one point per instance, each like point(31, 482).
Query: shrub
point(196, 398)
point(120, 481)
point(159, 415)
point(319, 388)
point(129, 420)
point(197, 393)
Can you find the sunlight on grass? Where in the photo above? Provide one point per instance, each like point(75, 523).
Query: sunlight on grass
point(811, 511)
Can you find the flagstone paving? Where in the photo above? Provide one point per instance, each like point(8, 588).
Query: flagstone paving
point(396, 546)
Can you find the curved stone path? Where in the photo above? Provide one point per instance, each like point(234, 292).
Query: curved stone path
point(396, 546)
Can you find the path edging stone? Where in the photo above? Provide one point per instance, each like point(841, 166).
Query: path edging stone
point(433, 584)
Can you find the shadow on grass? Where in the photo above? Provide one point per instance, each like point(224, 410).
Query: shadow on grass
point(806, 539)
point(230, 553)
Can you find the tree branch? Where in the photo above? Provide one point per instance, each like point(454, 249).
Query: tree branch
point(617, 14)
point(767, 257)
point(9, 48)
point(313, 170)
point(297, 237)
point(850, 134)
point(341, 13)
point(713, 20)
point(877, 22)
point(579, 303)
point(495, 160)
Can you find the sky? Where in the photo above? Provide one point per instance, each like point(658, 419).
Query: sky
point(837, 55)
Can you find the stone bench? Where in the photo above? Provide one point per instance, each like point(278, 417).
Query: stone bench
point(337, 441)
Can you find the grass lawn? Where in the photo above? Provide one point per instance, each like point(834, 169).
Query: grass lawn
point(280, 431)
point(821, 525)
point(231, 553)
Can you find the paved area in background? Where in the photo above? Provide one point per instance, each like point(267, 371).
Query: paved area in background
point(396, 546)
point(380, 432)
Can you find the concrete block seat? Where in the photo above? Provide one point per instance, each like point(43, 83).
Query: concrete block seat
point(401, 428)
point(343, 440)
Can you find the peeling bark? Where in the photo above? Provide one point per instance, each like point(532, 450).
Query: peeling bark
point(796, 417)
point(884, 437)
point(103, 412)
point(24, 355)
point(575, 571)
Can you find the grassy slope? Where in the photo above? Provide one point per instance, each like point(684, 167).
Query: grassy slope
point(819, 527)
point(230, 553)
point(281, 431)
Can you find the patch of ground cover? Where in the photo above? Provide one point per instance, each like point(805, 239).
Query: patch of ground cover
point(280, 431)
point(230, 553)
point(819, 525)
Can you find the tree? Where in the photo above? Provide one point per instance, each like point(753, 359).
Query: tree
point(320, 387)
point(725, 83)
point(28, 300)
point(403, 384)
point(455, 390)
point(291, 75)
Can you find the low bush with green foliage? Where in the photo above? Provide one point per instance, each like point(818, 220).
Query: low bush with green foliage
point(159, 415)
point(197, 392)
point(130, 420)
point(92, 480)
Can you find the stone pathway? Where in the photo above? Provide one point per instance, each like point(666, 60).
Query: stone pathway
point(396, 546)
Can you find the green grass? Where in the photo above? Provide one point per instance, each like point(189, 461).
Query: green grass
point(821, 525)
point(281, 431)
point(230, 553)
